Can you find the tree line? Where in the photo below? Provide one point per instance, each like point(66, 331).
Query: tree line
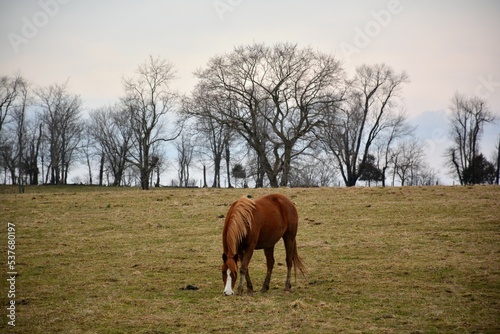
point(277, 115)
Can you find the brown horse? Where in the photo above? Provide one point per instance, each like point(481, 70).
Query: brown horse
point(258, 224)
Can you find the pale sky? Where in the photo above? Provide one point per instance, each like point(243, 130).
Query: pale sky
point(444, 46)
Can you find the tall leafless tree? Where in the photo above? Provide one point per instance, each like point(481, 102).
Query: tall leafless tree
point(467, 119)
point(150, 103)
point(20, 116)
point(11, 89)
point(185, 150)
point(276, 97)
point(408, 162)
point(313, 170)
point(214, 137)
point(111, 129)
point(32, 150)
point(386, 143)
point(368, 113)
point(61, 119)
point(14, 119)
point(14, 101)
point(497, 154)
point(89, 149)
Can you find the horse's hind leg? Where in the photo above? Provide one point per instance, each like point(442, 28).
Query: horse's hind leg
point(269, 252)
point(289, 248)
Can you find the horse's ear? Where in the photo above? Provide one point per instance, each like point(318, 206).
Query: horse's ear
point(224, 257)
point(235, 257)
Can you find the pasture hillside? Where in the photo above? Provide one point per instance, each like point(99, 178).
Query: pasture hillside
point(380, 260)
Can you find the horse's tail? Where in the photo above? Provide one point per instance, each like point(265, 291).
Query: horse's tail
point(297, 262)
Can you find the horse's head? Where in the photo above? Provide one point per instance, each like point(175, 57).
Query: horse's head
point(229, 273)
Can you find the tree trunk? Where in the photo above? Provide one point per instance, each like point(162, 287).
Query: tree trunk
point(351, 181)
point(228, 167)
point(216, 182)
point(144, 179)
point(383, 176)
point(286, 167)
point(157, 184)
point(101, 169)
point(498, 163)
point(205, 176)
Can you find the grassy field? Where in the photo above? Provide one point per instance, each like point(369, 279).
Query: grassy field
point(380, 260)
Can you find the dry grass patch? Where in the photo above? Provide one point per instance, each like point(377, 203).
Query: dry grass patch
point(380, 260)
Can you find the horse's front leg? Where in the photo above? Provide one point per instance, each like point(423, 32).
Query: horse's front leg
point(249, 283)
point(244, 272)
point(240, 286)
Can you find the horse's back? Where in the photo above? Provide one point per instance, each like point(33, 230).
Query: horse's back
point(281, 203)
point(276, 215)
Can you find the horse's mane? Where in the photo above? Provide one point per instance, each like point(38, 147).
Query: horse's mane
point(239, 218)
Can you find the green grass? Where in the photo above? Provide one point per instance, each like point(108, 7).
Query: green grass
point(380, 260)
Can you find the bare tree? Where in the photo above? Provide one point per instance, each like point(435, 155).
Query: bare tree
point(497, 154)
point(302, 84)
point(150, 101)
point(32, 150)
point(158, 163)
point(274, 98)
point(62, 129)
point(351, 128)
point(112, 131)
point(313, 170)
point(385, 144)
point(21, 133)
point(14, 102)
point(185, 149)
point(428, 176)
point(13, 113)
point(88, 150)
point(213, 137)
point(468, 116)
point(10, 90)
point(408, 162)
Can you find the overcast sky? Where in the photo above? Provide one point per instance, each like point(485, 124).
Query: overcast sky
point(445, 46)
